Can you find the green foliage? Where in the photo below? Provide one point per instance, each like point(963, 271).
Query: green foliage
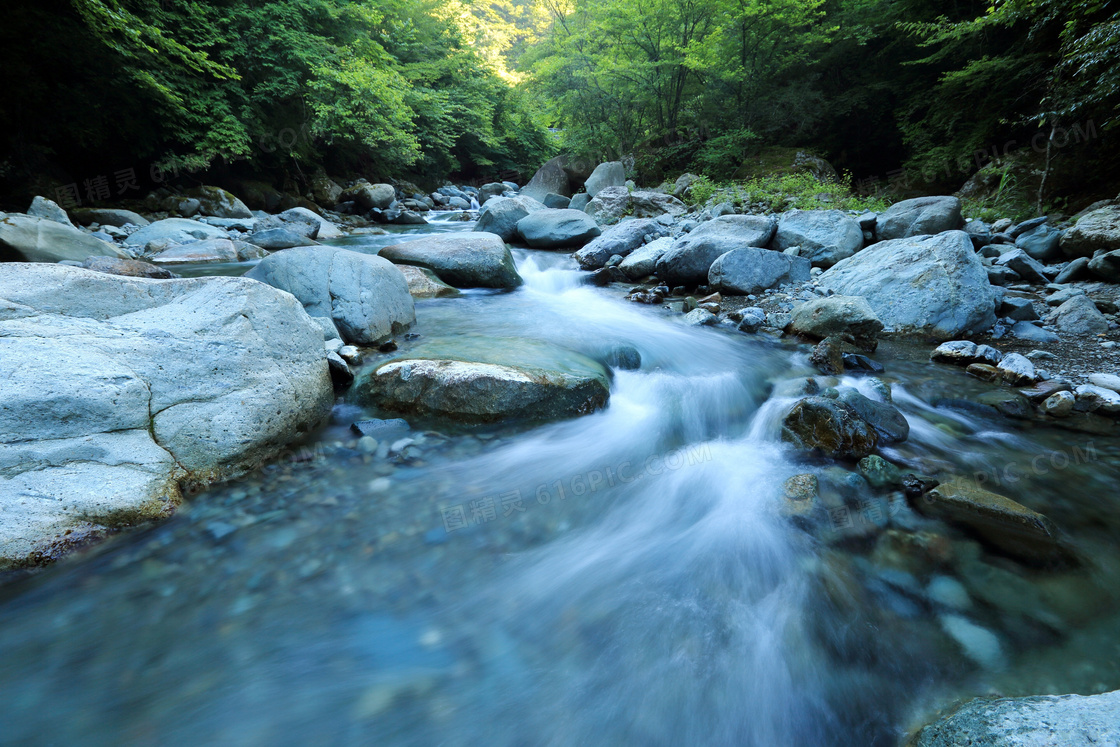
point(721, 156)
point(779, 192)
point(701, 191)
point(373, 86)
point(875, 85)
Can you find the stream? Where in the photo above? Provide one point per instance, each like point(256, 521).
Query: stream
point(626, 577)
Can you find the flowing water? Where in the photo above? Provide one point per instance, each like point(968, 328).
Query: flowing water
point(625, 577)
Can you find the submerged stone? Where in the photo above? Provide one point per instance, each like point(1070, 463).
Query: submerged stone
point(1003, 523)
point(829, 426)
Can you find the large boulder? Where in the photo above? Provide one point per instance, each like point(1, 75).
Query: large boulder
point(464, 260)
point(849, 318)
point(174, 231)
point(750, 270)
point(46, 209)
point(27, 239)
point(489, 191)
point(1106, 266)
point(1041, 242)
point(488, 380)
point(320, 227)
point(692, 255)
point(824, 236)
point(219, 203)
point(1078, 316)
point(642, 261)
point(500, 215)
point(119, 390)
point(683, 182)
point(557, 229)
point(1094, 231)
point(821, 170)
point(370, 196)
point(1000, 521)
point(609, 174)
point(365, 295)
point(108, 217)
point(549, 179)
point(737, 231)
point(557, 202)
point(930, 285)
point(1037, 721)
point(285, 237)
point(620, 239)
point(918, 217)
point(323, 190)
point(612, 204)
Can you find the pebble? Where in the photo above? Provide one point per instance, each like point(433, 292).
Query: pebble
point(979, 644)
point(983, 371)
point(948, 592)
point(700, 318)
point(1059, 404)
point(367, 445)
point(752, 319)
point(379, 485)
point(1015, 369)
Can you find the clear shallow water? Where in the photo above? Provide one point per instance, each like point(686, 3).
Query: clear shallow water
point(624, 577)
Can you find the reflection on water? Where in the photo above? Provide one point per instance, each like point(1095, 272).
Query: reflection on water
point(624, 577)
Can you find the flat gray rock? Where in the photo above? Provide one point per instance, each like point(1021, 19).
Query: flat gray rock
point(557, 229)
point(464, 260)
point(210, 250)
point(175, 231)
point(824, 236)
point(918, 217)
point(751, 270)
point(109, 217)
point(642, 261)
point(1039, 721)
point(620, 239)
point(119, 390)
point(27, 239)
point(928, 285)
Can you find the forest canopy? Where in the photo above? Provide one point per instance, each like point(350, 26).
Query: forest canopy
point(385, 88)
point(430, 89)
